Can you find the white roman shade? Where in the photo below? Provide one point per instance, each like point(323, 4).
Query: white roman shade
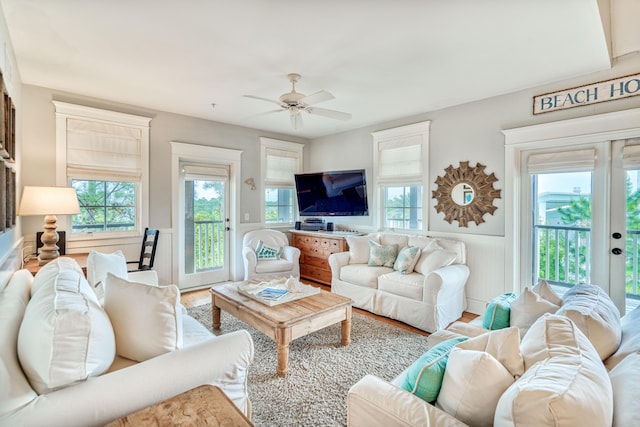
point(400, 159)
point(565, 161)
point(281, 166)
point(631, 157)
point(103, 150)
point(204, 173)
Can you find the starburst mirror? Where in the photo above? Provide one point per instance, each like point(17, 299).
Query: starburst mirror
point(465, 194)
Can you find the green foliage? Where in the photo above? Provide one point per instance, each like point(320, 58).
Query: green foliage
point(105, 206)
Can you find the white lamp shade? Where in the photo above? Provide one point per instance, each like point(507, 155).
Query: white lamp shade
point(49, 201)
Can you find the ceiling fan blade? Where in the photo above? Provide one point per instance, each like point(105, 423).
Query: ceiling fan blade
point(333, 114)
point(317, 97)
point(273, 101)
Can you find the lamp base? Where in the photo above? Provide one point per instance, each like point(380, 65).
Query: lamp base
point(49, 250)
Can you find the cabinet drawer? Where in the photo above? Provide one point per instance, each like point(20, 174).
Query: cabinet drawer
point(317, 274)
point(317, 262)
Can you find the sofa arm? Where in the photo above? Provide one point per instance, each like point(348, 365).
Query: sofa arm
point(373, 402)
point(221, 361)
point(292, 254)
point(444, 283)
point(250, 260)
point(337, 261)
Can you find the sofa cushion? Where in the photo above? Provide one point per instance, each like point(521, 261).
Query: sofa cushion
point(564, 384)
point(630, 342)
point(424, 377)
point(503, 344)
point(359, 248)
point(382, 255)
point(65, 335)
point(625, 381)
point(147, 320)
point(472, 385)
point(596, 315)
point(498, 312)
point(273, 265)
point(527, 308)
point(432, 258)
point(405, 285)
point(99, 264)
point(15, 390)
point(264, 251)
point(363, 275)
point(407, 259)
point(388, 239)
point(546, 292)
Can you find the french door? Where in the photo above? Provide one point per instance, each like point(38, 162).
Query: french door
point(581, 218)
point(204, 219)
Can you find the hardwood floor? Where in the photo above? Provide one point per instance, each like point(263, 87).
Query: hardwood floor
point(202, 296)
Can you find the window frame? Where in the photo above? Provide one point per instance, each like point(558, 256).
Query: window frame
point(66, 111)
point(416, 134)
point(295, 150)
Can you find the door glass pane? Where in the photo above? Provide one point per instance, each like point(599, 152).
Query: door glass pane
point(205, 223)
point(562, 229)
point(633, 233)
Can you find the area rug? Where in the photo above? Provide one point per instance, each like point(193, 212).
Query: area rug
point(321, 371)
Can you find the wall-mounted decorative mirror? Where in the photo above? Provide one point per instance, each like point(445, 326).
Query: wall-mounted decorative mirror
point(465, 194)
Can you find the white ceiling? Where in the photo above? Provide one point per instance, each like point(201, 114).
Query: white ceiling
point(381, 59)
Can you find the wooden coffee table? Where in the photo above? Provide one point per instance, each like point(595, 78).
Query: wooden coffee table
point(285, 322)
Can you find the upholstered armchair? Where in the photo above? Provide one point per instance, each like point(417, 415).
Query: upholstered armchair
point(267, 254)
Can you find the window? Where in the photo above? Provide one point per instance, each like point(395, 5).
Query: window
point(400, 176)
point(104, 156)
point(281, 160)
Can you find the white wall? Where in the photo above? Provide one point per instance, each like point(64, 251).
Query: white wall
point(470, 132)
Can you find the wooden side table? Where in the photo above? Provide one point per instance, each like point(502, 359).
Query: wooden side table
point(206, 405)
point(33, 267)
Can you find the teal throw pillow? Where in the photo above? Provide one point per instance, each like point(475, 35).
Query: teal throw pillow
point(424, 377)
point(382, 255)
point(498, 312)
point(407, 259)
point(265, 252)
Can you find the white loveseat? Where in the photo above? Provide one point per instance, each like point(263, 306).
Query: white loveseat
point(429, 298)
point(562, 373)
point(91, 398)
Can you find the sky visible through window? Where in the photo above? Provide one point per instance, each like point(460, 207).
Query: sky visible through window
point(577, 182)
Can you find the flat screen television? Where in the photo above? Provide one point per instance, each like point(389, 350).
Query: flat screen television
point(336, 193)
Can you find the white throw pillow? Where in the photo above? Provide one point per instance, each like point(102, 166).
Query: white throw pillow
point(630, 342)
point(503, 344)
point(65, 335)
point(359, 248)
point(432, 260)
point(526, 309)
point(625, 380)
point(472, 385)
point(99, 264)
point(546, 292)
point(596, 315)
point(565, 382)
point(47, 274)
point(147, 320)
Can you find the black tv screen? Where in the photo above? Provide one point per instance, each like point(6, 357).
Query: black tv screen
point(337, 193)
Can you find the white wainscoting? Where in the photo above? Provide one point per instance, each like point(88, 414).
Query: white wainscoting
point(485, 258)
point(163, 263)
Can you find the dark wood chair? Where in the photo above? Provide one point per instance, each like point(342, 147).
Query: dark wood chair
point(148, 250)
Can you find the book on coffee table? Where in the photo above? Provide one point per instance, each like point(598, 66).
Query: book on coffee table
point(272, 293)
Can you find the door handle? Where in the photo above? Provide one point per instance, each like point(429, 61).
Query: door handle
point(616, 251)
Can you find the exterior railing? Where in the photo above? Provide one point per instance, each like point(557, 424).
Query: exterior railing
point(562, 256)
point(208, 242)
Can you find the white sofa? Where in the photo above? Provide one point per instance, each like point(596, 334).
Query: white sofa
point(561, 378)
point(429, 298)
point(126, 386)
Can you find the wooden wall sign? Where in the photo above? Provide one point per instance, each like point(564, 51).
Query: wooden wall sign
point(608, 90)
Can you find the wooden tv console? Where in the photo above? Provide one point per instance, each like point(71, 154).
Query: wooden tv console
point(315, 248)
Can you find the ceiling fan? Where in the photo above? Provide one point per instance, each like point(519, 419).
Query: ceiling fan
point(295, 102)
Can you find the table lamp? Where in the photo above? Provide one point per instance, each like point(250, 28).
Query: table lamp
point(49, 201)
